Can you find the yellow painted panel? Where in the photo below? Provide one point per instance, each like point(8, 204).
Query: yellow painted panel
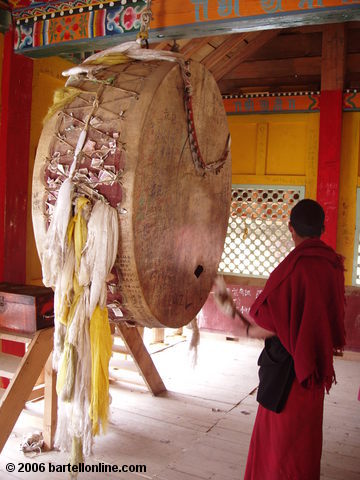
point(243, 144)
point(46, 79)
point(275, 149)
point(350, 170)
point(287, 144)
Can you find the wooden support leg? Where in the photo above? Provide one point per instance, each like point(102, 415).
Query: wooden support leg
point(158, 335)
point(142, 359)
point(23, 381)
point(50, 405)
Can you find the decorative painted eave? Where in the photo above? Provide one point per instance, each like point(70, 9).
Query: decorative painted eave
point(64, 26)
point(294, 102)
point(351, 101)
point(289, 102)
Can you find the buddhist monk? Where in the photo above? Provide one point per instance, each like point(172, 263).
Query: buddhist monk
point(300, 313)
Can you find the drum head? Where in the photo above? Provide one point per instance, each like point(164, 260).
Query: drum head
point(172, 220)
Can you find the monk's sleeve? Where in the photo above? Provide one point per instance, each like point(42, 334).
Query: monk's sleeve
point(273, 314)
point(306, 311)
point(314, 311)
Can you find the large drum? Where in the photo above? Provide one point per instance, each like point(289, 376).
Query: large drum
point(137, 155)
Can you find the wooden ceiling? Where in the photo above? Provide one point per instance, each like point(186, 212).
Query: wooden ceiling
point(284, 60)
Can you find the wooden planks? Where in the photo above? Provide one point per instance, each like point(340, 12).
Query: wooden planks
point(255, 40)
point(225, 48)
point(292, 67)
point(333, 57)
point(141, 357)
point(183, 434)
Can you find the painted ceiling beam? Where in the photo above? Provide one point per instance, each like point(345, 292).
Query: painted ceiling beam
point(71, 26)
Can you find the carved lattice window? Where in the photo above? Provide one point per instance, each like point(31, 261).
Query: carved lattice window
point(258, 238)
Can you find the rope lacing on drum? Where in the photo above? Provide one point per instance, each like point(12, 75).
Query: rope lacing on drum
point(131, 50)
point(199, 163)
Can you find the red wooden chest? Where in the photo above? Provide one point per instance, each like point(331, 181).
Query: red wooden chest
point(25, 308)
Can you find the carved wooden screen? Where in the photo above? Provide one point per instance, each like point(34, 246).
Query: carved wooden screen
point(258, 238)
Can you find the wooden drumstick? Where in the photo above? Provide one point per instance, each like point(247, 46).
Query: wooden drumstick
point(225, 301)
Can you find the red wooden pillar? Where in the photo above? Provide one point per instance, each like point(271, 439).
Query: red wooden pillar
point(332, 84)
point(16, 91)
point(16, 95)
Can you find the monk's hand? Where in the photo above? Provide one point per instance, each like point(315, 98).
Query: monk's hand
point(223, 298)
point(244, 321)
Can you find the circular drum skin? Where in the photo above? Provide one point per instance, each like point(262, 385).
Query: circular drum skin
point(172, 220)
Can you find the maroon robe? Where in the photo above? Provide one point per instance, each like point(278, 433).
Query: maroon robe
point(303, 304)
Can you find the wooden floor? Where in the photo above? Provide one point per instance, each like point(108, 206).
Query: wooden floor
point(200, 429)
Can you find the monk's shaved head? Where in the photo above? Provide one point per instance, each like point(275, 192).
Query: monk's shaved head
point(307, 218)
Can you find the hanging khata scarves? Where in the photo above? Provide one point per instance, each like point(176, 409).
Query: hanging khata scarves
point(80, 253)
point(66, 375)
point(83, 338)
point(99, 253)
point(78, 228)
point(67, 292)
point(111, 59)
point(62, 97)
point(76, 238)
point(64, 285)
point(101, 348)
point(55, 247)
point(76, 455)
